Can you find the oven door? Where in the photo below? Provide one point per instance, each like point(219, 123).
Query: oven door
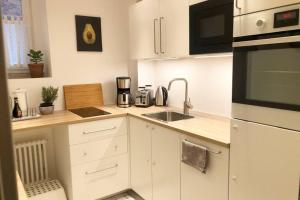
point(211, 27)
point(266, 74)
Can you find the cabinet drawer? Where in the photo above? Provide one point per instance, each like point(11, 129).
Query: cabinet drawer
point(91, 131)
point(97, 150)
point(100, 178)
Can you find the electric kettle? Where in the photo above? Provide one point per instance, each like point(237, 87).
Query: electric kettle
point(161, 96)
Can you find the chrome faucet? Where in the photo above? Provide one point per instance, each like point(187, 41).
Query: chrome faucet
point(187, 104)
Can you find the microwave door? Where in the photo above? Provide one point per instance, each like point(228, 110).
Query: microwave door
point(267, 73)
point(211, 29)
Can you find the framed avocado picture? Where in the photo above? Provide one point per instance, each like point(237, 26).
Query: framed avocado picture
point(88, 33)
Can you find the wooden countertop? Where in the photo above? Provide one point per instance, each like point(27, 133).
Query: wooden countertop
point(213, 128)
point(61, 118)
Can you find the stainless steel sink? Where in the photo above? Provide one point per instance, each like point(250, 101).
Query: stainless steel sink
point(168, 116)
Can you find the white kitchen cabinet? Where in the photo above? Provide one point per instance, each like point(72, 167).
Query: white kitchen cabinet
point(159, 29)
point(140, 156)
point(174, 20)
point(213, 185)
point(264, 162)
point(144, 29)
point(92, 158)
point(155, 161)
point(166, 164)
point(242, 7)
point(101, 178)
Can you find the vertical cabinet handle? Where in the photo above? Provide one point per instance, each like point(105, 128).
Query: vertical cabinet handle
point(237, 4)
point(160, 34)
point(155, 48)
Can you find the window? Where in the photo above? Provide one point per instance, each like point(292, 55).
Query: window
point(17, 33)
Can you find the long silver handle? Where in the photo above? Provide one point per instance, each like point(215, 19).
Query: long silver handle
point(237, 4)
point(209, 150)
point(267, 41)
point(103, 130)
point(155, 47)
point(160, 34)
point(102, 170)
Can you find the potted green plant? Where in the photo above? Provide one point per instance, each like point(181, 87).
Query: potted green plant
point(36, 68)
point(49, 95)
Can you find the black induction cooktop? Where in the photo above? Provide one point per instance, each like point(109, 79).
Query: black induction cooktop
point(89, 112)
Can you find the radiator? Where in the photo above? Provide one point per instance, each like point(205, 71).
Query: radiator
point(31, 161)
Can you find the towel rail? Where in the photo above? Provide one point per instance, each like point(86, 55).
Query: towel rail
point(209, 150)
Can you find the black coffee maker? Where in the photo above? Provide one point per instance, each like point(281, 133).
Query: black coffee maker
point(124, 98)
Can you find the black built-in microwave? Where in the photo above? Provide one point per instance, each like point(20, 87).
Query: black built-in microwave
point(211, 27)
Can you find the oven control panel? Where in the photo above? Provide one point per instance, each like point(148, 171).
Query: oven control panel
point(286, 18)
point(268, 21)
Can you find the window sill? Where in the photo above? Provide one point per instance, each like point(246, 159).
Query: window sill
point(16, 73)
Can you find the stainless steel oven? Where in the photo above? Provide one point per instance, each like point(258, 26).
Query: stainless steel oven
point(266, 68)
point(211, 26)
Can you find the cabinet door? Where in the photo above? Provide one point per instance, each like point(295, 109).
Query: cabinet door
point(213, 185)
point(144, 29)
point(140, 149)
point(174, 24)
point(249, 6)
point(264, 162)
point(165, 164)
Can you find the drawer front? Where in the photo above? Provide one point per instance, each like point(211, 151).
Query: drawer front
point(100, 178)
point(97, 150)
point(97, 130)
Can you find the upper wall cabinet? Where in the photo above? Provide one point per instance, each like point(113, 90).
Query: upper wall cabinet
point(159, 29)
point(248, 6)
point(144, 25)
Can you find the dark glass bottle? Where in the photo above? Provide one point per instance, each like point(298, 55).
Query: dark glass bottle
point(17, 112)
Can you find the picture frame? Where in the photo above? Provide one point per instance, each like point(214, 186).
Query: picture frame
point(88, 33)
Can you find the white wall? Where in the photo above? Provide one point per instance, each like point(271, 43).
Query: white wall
point(71, 67)
point(210, 81)
point(40, 36)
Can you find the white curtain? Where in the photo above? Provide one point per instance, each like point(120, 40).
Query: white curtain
point(17, 37)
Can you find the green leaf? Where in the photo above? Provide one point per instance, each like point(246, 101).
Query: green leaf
point(49, 94)
point(35, 56)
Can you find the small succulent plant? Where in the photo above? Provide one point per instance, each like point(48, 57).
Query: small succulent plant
point(35, 56)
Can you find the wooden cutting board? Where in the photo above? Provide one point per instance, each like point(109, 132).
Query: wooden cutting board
point(85, 95)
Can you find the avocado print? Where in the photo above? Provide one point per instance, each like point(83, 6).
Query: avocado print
point(89, 35)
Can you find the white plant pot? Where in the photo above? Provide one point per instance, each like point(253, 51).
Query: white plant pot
point(47, 110)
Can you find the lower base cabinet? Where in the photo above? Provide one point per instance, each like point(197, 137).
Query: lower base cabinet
point(166, 164)
point(264, 162)
point(140, 158)
point(93, 162)
point(92, 158)
point(155, 161)
point(212, 185)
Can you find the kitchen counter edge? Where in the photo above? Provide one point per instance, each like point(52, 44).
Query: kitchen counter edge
point(66, 117)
